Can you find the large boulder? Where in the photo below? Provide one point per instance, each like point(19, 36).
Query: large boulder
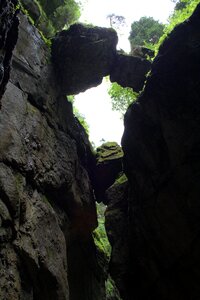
point(109, 166)
point(130, 71)
point(82, 56)
point(162, 161)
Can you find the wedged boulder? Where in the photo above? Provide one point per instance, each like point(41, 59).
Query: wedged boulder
point(82, 56)
point(130, 71)
point(162, 161)
point(109, 165)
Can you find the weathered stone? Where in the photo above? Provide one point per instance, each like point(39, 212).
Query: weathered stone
point(33, 9)
point(82, 56)
point(46, 196)
point(161, 149)
point(8, 39)
point(142, 52)
point(117, 228)
point(130, 71)
point(109, 165)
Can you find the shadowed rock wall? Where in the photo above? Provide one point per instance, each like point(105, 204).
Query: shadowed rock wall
point(8, 39)
point(47, 207)
point(161, 147)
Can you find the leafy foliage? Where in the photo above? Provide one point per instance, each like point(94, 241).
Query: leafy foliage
point(111, 290)
point(53, 14)
point(100, 236)
point(104, 249)
point(121, 97)
point(81, 119)
point(183, 10)
point(146, 30)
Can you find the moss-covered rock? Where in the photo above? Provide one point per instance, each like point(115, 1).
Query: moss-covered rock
point(109, 151)
point(109, 166)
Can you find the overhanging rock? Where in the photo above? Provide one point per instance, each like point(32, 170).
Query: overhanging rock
point(82, 56)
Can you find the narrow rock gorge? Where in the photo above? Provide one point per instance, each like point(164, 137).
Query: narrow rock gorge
point(50, 179)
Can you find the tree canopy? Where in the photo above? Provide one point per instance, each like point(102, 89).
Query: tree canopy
point(121, 97)
point(116, 22)
point(145, 31)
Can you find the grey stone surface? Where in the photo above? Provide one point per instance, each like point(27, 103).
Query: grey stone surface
point(46, 195)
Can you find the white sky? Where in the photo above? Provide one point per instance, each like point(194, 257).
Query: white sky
point(95, 103)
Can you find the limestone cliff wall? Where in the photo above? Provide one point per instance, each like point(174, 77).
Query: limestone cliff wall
point(161, 146)
point(47, 208)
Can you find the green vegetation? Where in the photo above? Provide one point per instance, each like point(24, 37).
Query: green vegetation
point(104, 249)
point(78, 115)
point(183, 10)
point(121, 179)
point(81, 119)
point(146, 31)
point(99, 234)
point(121, 97)
point(51, 16)
point(108, 151)
point(151, 34)
point(111, 290)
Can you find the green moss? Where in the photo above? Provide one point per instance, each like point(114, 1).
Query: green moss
point(111, 290)
point(99, 235)
point(179, 16)
point(109, 151)
point(25, 12)
point(121, 179)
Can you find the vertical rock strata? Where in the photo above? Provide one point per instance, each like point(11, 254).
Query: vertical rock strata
point(8, 39)
point(46, 199)
point(47, 170)
point(161, 146)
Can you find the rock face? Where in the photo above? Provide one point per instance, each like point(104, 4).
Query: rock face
point(83, 56)
point(161, 145)
point(8, 39)
point(47, 207)
point(48, 174)
point(117, 228)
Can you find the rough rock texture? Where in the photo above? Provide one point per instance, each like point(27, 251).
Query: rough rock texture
point(46, 198)
point(83, 56)
point(162, 160)
point(130, 71)
point(117, 228)
point(109, 165)
point(8, 39)
point(33, 9)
